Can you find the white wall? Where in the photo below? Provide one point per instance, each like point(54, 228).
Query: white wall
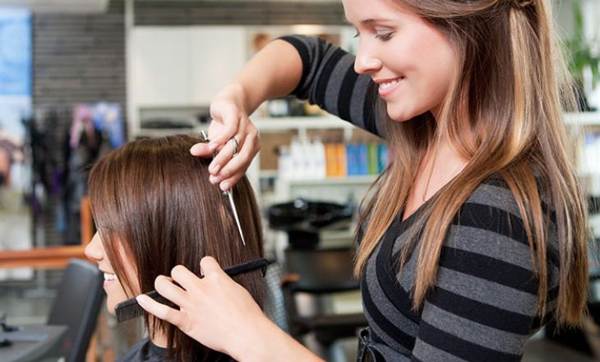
point(591, 11)
point(183, 66)
point(161, 60)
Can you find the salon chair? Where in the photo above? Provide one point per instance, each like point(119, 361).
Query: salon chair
point(77, 306)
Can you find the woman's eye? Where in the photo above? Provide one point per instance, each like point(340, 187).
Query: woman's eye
point(384, 36)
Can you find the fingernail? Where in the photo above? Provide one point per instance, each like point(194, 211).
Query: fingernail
point(225, 186)
point(214, 179)
point(141, 299)
point(194, 149)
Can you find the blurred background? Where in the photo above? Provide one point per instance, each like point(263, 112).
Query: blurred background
point(81, 77)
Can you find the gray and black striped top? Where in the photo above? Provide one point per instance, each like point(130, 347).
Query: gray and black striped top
point(483, 305)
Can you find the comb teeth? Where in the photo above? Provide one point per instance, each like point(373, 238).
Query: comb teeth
point(127, 310)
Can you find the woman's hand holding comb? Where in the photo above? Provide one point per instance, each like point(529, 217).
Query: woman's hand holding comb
point(221, 314)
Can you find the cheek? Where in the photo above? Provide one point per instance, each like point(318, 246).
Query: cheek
point(414, 99)
point(434, 86)
point(433, 68)
point(425, 90)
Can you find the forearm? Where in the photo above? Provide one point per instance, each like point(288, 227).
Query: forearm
point(274, 71)
point(270, 343)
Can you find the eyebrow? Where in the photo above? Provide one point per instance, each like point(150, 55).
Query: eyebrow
point(370, 21)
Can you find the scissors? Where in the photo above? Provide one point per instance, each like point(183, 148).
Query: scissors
point(229, 195)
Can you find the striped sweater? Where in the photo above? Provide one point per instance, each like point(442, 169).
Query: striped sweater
point(483, 304)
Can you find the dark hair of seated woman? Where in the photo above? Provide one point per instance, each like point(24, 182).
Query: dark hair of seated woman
point(154, 208)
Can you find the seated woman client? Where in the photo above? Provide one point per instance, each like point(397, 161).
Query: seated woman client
point(154, 209)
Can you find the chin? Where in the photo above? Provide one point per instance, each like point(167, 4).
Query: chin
point(399, 115)
point(110, 307)
point(112, 302)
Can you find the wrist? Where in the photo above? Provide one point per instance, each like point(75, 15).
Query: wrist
point(236, 91)
point(253, 345)
point(267, 342)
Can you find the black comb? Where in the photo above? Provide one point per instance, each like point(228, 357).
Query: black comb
point(130, 308)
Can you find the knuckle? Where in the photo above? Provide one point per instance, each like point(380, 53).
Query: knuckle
point(215, 278)
point(163, 313)
point(171, 316)
point(244, 158)
point(219, 157)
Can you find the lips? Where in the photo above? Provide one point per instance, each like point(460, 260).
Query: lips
point(387, 87)
point(109, 277)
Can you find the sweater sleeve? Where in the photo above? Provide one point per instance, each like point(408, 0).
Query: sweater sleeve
point(484, 303)
point(329, 80)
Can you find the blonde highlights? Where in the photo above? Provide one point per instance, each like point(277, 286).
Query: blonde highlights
point(511, 100)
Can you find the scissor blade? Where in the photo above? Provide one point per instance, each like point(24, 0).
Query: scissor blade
point(235, 215)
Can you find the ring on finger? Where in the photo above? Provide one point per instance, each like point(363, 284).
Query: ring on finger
point(235, 145)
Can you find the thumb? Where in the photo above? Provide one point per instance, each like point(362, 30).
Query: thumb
point(208, 266)
point(201, 149)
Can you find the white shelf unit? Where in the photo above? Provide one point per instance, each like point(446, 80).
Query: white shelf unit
point(303, 124)
point(583, 119)
point(349, 180)
point(160, 132)
point(332, 188)
point(580, 125)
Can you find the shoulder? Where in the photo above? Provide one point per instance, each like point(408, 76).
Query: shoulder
point(136, 352)
point(144, 351)
point(494, 205)
point(312, 47)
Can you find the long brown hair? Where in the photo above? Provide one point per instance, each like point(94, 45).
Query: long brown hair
point(510, 92)
point(154, 198)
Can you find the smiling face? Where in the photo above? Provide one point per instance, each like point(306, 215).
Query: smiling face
point(411, 60)
point(115, 290)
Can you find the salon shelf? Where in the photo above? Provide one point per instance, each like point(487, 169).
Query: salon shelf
point(161, 132)
point(303, 124)
point(347, 180)
point(358, 179)
point(328, 122)
point(286, 123)
point(583, 119)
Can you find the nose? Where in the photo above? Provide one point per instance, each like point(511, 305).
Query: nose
point(94, 250)
point(366, 62)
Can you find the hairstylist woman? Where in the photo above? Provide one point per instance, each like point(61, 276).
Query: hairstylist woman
point(474, 236)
